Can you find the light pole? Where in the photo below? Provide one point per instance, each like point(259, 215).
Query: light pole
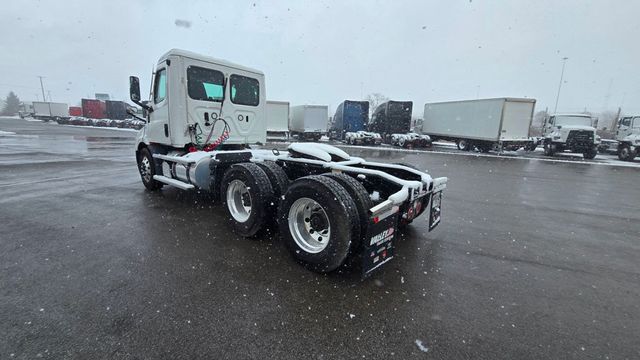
point(42, 88)
point(564, 62)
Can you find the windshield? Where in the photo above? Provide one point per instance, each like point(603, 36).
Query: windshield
point(572, 120)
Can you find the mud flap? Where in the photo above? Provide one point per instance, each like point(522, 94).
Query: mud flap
point(435, 211)
point(378, 247)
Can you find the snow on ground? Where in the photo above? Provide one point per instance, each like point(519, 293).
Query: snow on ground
point(421, 346)
point(5, 133)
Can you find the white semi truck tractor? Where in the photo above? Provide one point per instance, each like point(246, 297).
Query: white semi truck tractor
point(628, 137)
point(204, 130)
point(573, 132)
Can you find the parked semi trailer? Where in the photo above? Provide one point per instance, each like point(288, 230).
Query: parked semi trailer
point(50, 110)
point(202, 136)
point(75, 111)
point(350, 124)
point(116, 110)
point(485, 124)
point(392, 120)
point(309, 122)
point(573, 132)
point(277, 120)
point(93, 109)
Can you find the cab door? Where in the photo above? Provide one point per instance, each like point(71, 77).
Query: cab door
point(158, 127)
point(248, 119)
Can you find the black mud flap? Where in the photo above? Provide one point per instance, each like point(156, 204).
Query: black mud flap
point(378, 247)
point(435, 210)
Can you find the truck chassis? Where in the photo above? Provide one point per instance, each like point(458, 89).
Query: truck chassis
point(330, 206)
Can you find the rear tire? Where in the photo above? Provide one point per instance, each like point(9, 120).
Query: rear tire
point(318, 220)
point(278, 179)
point(247, 194)
point(147, 169)
point(362, 200)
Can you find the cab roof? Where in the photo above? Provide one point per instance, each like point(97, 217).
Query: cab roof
point(209, 59)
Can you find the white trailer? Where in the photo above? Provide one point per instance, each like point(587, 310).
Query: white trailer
point(50, 110)
point(309, 121)
point(197, 137)
point(485, 124)
point(277, 120)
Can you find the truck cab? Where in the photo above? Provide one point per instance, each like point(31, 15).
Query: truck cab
point(628, 137)
point(573, 132)
point(193, 97)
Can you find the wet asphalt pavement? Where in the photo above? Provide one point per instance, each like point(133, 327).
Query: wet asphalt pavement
point(533, 259)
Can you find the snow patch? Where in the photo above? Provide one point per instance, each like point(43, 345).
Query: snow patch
point(421, 346)
point(5, 133)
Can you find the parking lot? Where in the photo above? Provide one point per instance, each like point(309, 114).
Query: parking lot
point(535, 258)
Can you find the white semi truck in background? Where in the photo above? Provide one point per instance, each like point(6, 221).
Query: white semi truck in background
point(205, 123)
point(277, 120)
point(309, 122)
point(50, 110)
point(573, 132)
point(628, 137)
point(486, 124)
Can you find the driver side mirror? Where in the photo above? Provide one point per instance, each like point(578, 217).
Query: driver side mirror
point(134, 93)
point(134, 88)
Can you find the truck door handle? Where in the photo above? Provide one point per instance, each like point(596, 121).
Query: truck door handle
point(247, 118)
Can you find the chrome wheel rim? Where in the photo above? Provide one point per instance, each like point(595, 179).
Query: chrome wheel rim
point(309, 225)
point(145, 169)
point(239, 201)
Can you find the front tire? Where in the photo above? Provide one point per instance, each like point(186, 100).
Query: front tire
point(549, 150)
point(625, 153)
point(247, 194)
point(463, 145)
point(590, 154)
point(318, 220)
point(147, 169)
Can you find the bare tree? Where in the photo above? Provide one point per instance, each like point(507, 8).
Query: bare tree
point(374, 100)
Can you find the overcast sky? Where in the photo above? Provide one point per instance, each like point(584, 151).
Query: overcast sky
point(326, 51)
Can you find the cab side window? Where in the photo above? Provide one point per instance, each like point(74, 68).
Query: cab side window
point(160, 86)
point(636, 123)
point(244, 90)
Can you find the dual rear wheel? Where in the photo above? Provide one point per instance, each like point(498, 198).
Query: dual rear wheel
point(322, 218)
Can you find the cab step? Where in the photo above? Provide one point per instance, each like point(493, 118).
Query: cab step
point(173, 182)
